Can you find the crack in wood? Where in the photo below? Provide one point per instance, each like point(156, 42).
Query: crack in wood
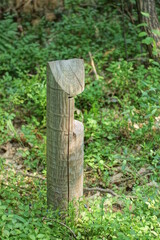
point(65, 136)
point(68, 150)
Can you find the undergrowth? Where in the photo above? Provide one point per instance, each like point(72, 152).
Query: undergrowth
point(121, 114)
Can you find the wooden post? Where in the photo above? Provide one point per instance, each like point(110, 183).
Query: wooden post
point(65, 79)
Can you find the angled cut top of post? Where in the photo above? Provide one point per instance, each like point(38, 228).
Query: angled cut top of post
point(69, 74)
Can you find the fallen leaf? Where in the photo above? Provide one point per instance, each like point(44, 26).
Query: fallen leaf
point(108, 52)
point(142, 171)
point(153, 184)
point(136, 126)
point(116, 178)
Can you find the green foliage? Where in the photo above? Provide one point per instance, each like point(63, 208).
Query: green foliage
point(121, 115)
point(23, 211)
point(8, 32)
point(85, 29)
point(20, 52)
point(128, 115)
point(25, 216)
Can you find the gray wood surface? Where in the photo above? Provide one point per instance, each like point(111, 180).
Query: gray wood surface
point(65, 135)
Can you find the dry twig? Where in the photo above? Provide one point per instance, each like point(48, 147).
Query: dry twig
point(31, 175)
point(93, 65)
point(107, 190)
point(64, 225)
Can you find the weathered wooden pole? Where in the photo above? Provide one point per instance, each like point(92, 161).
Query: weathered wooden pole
point(65, 79)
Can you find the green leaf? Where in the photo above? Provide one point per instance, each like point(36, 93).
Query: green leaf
point(155, 63)
point(142, 34)
point(20, 218)
point(4, 217)
point(154, 111)
point(124, 165)
point(41, 236)
point(147, 40)
point(156, 32)
point(32, 237)
point(145, 14)
point(142, 25)
point(151, 114)
point(3, 207)
point(6, 233)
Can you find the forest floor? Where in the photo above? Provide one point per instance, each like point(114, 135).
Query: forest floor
point(120, 110)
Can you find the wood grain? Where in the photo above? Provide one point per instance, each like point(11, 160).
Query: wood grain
point(65, 135)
